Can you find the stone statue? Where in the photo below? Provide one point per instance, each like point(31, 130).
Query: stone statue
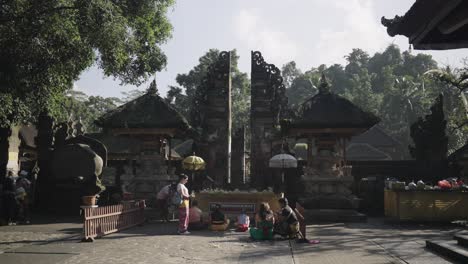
point(428, 134)
point(78, 128)
point(60, 135)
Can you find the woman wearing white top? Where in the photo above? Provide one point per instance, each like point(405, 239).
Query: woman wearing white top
point(184, 206)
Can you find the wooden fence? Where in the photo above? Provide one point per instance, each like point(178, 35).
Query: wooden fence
point(100, 221)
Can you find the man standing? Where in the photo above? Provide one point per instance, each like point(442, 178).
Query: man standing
point(184, 205)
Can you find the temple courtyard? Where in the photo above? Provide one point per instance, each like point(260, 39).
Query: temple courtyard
point(375, 241)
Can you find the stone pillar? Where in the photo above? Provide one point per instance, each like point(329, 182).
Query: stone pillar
point(268, 106)
point(238, 158)
point(215, 106)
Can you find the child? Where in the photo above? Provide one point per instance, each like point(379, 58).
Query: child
point(243, 222)
point(218, 220)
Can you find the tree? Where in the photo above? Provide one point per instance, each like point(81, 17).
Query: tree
point(47, 44)
point(289, 71)
point(455, 87)
point(403, 101)
point(77, 105)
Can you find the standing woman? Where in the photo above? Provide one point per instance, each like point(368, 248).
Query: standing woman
point(184, 206)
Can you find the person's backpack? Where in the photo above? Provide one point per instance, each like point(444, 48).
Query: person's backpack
point(175, 198)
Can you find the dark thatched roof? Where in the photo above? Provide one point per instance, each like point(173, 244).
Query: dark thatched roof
point(146, 111)
point(328, 110)
point(376, 137)
point(432, 24)
point(361, 151)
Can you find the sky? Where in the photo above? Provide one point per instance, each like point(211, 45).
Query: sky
point(309, 32)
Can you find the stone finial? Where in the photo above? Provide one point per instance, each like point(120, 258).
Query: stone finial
point(324, 87)
point(153, 88)
point(70, 124)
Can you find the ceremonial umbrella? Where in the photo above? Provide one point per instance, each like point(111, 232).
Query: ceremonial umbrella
point(193, 163)
point(283, 161)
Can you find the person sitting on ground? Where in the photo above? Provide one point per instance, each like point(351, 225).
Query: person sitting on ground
point(162, 200)
point(195, 217)
point(243, 222)
point(287, 224)
point(218, 220)
point(264, 223)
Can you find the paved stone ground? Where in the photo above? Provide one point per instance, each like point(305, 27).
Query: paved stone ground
point(372, 242)
point(43, 230)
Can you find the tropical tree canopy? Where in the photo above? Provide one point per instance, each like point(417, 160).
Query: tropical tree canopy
point(46, 45)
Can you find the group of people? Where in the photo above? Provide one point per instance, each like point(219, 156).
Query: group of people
point(267, 223)
point(14, 194)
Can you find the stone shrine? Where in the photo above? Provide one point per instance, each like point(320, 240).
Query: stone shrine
point(327, 122)
point(147, 124)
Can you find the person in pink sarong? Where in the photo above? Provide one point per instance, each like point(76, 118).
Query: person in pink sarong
point(184, 206)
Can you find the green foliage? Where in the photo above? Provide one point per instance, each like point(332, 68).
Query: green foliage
point(76, 104)
point(47, 44)
point(455, 87)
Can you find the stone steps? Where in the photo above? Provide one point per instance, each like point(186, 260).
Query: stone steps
point(456, 249)
point(462, 240)
point(334, 215)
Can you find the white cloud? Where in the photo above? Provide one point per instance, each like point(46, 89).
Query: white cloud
point(257, 34)
point(360, 28)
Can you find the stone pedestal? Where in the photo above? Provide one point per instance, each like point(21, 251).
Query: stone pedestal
point(328, 195)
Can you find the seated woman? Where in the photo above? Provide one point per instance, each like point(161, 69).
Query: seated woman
point(264, 220)
point(196, 217)
point(243, 222)
point(218, 220)
point(287, 225)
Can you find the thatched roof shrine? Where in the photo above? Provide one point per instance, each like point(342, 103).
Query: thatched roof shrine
point(327, 112)
point(144, 115)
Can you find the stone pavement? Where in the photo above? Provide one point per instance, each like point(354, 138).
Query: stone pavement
point(372, 242)
point(43, 230)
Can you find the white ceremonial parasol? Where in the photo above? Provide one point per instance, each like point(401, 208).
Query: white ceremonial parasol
point(283, 161)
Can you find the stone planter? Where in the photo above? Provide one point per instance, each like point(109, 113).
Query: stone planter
point(89, 200)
